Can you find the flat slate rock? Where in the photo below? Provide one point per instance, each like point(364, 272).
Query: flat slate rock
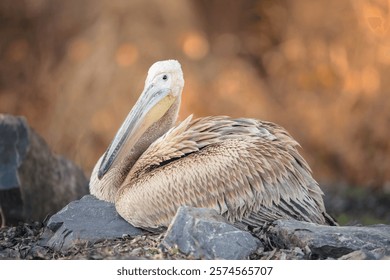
point(359, 242)
point(204, 234)
point(34, 182)
point(87, 220)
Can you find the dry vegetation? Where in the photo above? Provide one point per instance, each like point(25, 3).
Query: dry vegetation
point(319, 68)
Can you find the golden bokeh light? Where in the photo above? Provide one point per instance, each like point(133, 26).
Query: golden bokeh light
point(102, 121)
point(195, 45)
point(370, 80)
point(126, 54)
point(78, 50)
point(319, 68)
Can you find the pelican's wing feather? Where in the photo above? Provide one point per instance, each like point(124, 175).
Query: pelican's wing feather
point(247, 170)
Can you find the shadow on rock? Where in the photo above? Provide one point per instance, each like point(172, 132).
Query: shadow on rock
point(34, 182)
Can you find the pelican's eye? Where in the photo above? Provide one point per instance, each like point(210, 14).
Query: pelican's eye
point(165, 77)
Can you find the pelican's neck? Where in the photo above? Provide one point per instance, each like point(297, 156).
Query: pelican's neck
point(107, 187)
point(155, 131)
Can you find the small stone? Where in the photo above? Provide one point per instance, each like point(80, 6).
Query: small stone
point(204, 234)
point(137, 252)
point(376, 254)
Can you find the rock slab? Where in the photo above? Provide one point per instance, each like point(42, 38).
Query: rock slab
point(87, 220)
point(203, 234)
point(34, 182)
point(331, 242)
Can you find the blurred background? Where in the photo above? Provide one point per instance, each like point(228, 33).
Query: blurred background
point(319, 68)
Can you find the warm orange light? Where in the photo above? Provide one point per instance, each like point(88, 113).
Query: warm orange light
point(370, 80)
point(195, 45)
point(102, 121)
point(126, 54)
point(78, 50)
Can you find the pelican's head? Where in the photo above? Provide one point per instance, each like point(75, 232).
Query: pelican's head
point(167, 75)
point(163, 88)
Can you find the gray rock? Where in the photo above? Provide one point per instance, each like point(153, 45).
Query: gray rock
point(376, 254)
point(87, 220)
point(34, 183)
point(202, 233)
point(327, 241)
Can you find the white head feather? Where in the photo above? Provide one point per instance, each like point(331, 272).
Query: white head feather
point(165, 66)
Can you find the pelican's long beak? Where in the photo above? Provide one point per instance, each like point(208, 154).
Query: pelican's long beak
point(151, 106)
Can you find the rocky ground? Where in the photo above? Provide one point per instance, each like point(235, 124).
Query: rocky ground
point(22, 242)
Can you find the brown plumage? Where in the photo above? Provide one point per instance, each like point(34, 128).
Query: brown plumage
point(249, 171)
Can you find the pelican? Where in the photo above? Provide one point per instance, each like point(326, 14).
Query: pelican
point(248, 170)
